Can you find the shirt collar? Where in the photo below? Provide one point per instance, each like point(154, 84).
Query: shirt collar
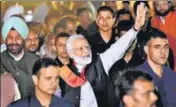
point(19, 57)
point(34, 102)
point(162, 19)
point(149, 70)
point(100, 39)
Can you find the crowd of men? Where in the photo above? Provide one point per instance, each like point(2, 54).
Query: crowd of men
point(120, 59)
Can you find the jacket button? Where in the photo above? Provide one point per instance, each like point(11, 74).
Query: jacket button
point(17, 73)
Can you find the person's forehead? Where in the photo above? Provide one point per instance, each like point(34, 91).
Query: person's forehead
point(155, 41)
point(70, 25)
point(85, 12)
point(105, 12)
point(79, 41)
point(50, 38)
point(32, 34)
point(70, 21)
point(158, 2)
point(49, 71)
point(142, 85)
point(13, 33)
point(61, 39)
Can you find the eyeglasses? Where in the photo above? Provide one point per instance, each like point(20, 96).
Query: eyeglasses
point(81, 49)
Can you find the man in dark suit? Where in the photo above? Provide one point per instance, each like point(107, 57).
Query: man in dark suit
point(46, 78)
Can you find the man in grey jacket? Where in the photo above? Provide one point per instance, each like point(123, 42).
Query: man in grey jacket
point(15, 59)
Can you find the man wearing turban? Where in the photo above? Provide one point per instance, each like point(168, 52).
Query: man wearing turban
point(15, 59)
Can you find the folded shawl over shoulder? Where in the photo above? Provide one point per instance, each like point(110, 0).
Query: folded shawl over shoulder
point(18, 24)
point(72, 79)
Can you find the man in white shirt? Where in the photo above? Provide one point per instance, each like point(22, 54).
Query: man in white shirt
point(93, 87)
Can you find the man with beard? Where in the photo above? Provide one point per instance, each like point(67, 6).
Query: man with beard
point(88, 84)
point(32, 41)
point(15, 59)
point(157, 50)
point(165, 21)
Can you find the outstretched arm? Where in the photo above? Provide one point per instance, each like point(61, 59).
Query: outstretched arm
point(117, 50)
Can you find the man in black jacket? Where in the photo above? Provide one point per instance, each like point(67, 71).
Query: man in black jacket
point(62, 56)
point(93, 87)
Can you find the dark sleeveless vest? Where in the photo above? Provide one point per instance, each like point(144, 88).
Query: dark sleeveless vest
point(100, 83)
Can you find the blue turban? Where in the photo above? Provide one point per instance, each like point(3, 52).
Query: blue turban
point(18, 24)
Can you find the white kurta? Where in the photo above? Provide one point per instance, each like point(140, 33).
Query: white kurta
point(108, 58)
point(87, 96)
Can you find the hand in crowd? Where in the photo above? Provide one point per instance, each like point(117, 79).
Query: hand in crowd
point(140, 16)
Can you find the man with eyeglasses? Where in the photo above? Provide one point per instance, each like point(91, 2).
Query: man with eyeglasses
point(88, 84)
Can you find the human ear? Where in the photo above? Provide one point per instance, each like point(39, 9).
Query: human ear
point(146, 49)
point(35, 79)
point(128, 101)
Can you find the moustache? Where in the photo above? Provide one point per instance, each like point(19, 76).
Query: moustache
point(163, 13)
point(33, 46)
point(9, 45)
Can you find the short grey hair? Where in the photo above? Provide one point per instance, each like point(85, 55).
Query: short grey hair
point(70, 40)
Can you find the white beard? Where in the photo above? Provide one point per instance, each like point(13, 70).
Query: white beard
point(83, 61)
